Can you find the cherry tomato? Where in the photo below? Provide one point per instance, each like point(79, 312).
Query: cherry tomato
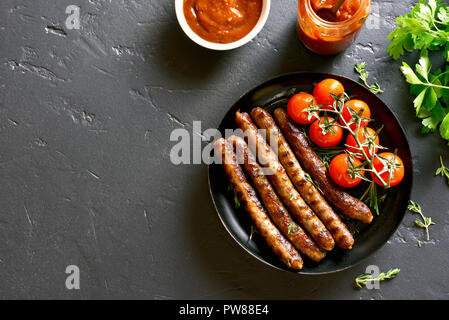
point(356, 105)
point(338, 170)
point(398, 169)
point(365, 134)
point(323, 89)
point(329, 139)
point(296, 106)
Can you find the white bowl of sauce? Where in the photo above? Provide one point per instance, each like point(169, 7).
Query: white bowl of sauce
point(222, 24)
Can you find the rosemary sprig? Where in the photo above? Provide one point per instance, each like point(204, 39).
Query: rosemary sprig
point(316, 184)
point(443, 171)
point(362, 280)
point(291, 92)
point(327, 154)
point(236, 199)
point(371, 197)
point(363, 75)
point(425, 222)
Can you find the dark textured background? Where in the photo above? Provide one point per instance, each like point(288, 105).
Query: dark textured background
point(85, 174)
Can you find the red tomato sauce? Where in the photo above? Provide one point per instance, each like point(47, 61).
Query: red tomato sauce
point(327, 33)
point(345, 12)
point(222, 21)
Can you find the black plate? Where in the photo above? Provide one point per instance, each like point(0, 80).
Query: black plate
point(274, 93)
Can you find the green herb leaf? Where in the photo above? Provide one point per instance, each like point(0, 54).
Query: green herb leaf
point(253, 232)
point(425, 222)
point(419, 223)
point(372, 198)
point(291, 92)
point(444, 128)
point(362, 280)
point(443, 171)
point(431, 90)
point(360, 68)
point(327, 154)
point(409, 74)
point(424, 28)
point(236, 198)
point(316, 184)
point(291, 228)
point(236, 201)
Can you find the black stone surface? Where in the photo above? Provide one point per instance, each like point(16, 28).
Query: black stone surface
point(85, 172)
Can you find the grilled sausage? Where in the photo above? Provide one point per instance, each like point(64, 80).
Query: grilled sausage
point(274, 238)
point(273, 204)
point(306, 188)
point(282, 184)
point(343, 201)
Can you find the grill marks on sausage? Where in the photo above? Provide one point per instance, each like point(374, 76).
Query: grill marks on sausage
point(282, 184)
point(248, 198)
point(343, 201)
point(306, 188)
point(273, 204)
point(281, 232)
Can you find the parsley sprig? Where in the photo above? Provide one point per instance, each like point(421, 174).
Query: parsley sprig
point(425, 222)
point(426, 27)
point(361, 280)
point(363, 75)
point(432, 95)
point(443, 171)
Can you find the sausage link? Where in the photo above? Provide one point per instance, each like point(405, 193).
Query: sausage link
point(246, 194)
point(343, 201)
point(306, 188)
point(278, 213)
point(282, 184)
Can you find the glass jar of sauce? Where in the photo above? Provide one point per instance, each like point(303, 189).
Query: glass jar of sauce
point(327, 33)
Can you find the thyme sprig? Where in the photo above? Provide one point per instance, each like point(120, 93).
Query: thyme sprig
point(360, 68)
point(443, 171)
point(425, 222)
point(362, 280)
